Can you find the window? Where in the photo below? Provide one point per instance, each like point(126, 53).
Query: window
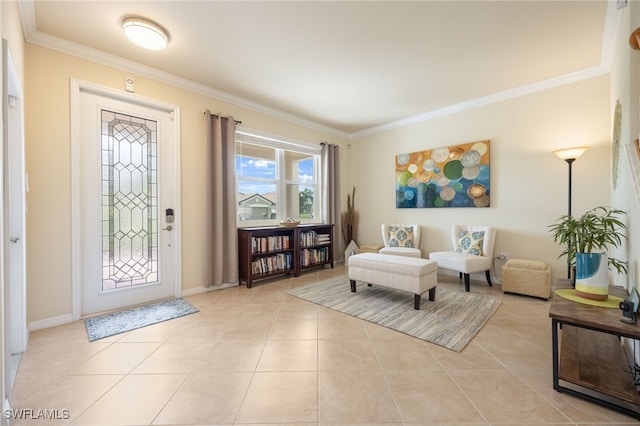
point(275, 179)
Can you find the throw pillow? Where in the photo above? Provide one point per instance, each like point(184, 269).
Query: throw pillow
point(400, 236)
point(470, 242)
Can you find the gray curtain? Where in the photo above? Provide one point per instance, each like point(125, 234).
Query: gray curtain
point(330, 162)
point(223, 235)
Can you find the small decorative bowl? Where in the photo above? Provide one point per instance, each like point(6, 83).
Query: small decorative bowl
point(290, 223)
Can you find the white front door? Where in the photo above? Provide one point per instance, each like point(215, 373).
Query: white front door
point(127, 171)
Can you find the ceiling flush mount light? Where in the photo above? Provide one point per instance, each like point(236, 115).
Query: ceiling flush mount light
point(145, 33)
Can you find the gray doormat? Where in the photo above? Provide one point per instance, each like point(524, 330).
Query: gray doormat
point(119, 322)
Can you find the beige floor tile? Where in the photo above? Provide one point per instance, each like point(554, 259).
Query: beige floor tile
point(501, 397)
point(196, 328)
point(576, 409)
point(135, 400)
point(405, 354)
point(281, 397)
point(431, 397)
point(346, 355)
point(174, 357)
point(300, 328)
point(518, 354)
point(289, 355)
point(355, 397)
point(232, 356)
point(473, 357)
point(219, 311)
point(118, 358)
point(252, 312)
point(206, 398)
point(294, 308)
point(243, 330)
point(261, 357)
point(339, 326)
point(69, 395)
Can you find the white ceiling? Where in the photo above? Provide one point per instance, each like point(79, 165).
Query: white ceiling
point(349, 67)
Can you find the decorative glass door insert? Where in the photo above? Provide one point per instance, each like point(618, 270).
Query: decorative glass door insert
point(129, 201)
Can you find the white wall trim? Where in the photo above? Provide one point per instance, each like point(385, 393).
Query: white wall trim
point(200, 290)
point(51, 322)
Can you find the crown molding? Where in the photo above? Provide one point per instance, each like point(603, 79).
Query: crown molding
point(612, 21)
point(486, 100)
point(32, 35)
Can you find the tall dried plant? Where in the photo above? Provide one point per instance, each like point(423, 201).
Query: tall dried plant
point(349, 220)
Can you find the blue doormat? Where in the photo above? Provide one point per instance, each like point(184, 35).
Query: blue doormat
point(118, 322)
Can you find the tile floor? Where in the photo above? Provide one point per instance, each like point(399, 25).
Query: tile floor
point(259, 356)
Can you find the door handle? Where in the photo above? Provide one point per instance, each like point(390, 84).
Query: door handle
point(168, 228)
point(14, 240)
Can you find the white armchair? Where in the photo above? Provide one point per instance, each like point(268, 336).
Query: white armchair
point(472, 252)
point(403, 240)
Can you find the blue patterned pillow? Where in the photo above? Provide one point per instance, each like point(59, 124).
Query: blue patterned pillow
point(470, 242)
point(401, 236)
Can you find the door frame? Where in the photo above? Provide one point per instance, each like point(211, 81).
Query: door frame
point(78, 86)
point(14, 322)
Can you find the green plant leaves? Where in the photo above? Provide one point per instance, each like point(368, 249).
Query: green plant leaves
point(594, 231)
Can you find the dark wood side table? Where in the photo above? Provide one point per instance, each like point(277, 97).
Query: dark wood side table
point(588, 358)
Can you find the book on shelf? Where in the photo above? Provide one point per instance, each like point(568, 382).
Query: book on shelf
point(270, 243)
point(265, 265)
point(314, 256)
point(323, 238)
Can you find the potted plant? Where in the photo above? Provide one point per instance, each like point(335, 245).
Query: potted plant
point(586, 240)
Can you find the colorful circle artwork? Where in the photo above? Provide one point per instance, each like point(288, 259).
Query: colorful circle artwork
point(454, 176)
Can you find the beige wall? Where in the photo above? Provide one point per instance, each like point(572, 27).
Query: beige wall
point(528, 182)
point(48, 164)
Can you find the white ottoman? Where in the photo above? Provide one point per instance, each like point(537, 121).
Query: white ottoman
point(411, 274)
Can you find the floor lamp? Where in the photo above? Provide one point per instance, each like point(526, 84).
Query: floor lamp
point(570, 155)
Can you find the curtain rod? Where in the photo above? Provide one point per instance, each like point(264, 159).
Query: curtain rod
point(217, 115)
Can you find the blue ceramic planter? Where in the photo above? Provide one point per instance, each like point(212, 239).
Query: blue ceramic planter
point(592, 277)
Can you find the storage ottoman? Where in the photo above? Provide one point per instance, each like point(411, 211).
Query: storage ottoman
point(409, 274)
point(527, 277)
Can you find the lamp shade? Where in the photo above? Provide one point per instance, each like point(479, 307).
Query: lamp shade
point(145, 33)
point(570, 153)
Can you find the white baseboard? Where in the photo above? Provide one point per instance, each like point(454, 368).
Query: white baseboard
point(199, 290)
point(50, 322)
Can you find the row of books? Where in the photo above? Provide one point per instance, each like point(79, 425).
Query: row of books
point(278, 262)
point(314, 256)
point(270, 243)
point(312, 238)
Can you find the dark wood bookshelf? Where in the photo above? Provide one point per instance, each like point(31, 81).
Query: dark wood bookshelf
point(270, 251)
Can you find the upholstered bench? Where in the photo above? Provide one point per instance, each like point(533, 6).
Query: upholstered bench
point(411, 274)
point(527, 277)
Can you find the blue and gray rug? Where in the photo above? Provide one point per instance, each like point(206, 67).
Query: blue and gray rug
point(119, 322)
point(451, 321)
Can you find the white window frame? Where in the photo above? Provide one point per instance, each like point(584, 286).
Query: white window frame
point(281, 144)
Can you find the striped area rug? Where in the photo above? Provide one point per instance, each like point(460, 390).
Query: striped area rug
point(451, 321)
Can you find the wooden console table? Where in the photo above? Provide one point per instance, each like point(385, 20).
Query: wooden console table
point(588, 358)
